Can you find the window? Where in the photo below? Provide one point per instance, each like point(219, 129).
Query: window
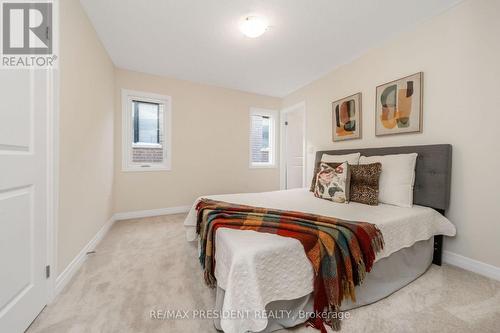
point(262, 138)
point(146, 131)
point(146, 122)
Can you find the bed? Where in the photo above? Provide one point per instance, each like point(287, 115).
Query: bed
point(252, 268)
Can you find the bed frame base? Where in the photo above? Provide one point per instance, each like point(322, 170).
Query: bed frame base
point(438, 245)
point(438, 250)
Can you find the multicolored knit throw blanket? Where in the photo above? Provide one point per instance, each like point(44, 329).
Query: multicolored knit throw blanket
point(341, 252)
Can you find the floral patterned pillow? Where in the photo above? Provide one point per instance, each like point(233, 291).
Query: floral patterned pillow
point(316, 170)
point(333, 183)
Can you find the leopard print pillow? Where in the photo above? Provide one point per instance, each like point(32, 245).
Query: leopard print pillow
point(333, 183)
point(364, 183)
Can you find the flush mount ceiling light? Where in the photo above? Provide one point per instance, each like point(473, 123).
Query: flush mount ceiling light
point(253, 26)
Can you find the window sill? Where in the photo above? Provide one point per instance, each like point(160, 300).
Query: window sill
point(139, 168)
point(146, 145)
point(263, 166)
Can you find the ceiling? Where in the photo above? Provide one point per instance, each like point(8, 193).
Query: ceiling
point(199, 40)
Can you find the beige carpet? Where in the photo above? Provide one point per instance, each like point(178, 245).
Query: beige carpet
point(143, 265)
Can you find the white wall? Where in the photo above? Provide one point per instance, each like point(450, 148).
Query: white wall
point(459, 53)
point(86, 133)
point(210, 148)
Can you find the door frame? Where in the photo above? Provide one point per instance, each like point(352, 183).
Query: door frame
point(298, 107)
point(53, 111)
point(53, 144)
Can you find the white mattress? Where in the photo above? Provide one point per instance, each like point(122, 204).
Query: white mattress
point(254, 268)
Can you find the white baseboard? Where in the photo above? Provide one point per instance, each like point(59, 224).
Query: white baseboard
point(472, 265)
point(152, 212)
point(70, 270)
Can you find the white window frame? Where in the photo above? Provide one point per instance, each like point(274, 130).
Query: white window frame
point(273, 131)
point(127, 141)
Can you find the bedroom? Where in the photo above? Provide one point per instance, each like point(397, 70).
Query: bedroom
point(354, 141)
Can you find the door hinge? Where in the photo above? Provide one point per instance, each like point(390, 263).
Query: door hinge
point(47, 271)
point(286, 123)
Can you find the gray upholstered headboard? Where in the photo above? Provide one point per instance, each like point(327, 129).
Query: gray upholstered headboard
point(432, 175)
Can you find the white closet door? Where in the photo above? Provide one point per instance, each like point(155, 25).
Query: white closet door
point(23, 197)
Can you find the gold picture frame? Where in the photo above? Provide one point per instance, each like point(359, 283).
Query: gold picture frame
point(346, 118)
point(399, 106)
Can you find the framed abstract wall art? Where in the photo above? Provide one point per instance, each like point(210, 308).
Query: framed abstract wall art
point(346, 115)
point(399, 106)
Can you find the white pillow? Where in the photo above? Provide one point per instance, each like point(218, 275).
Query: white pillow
point(396, 179)
point(352, 159)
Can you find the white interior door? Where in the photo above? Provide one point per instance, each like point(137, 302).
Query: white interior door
point(294, 149)
point(23, 197)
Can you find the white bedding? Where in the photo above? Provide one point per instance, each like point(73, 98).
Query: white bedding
point(254, 268)
point(401, 226)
